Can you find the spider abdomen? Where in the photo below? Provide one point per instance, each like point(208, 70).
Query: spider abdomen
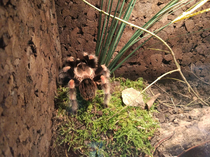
point(87, 89)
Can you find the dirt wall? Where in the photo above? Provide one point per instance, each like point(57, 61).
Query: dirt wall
point(29, 58)
point(77, 27)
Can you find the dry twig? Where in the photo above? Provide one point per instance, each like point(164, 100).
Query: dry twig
point(193, 147)
point(161, 141)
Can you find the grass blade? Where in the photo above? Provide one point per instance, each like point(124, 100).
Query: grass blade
point(99, 32)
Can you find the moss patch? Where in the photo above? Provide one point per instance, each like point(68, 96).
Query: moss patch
point(114, 131)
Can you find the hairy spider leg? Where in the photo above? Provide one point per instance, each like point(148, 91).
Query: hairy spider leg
point(106, 88)
point(78, 61)
point(65, 75)
point(102, 73)
point(72, 96)
point(69, 70)
point(70, 61)
point(85, 56)
point(91, 60)
point(102, 70)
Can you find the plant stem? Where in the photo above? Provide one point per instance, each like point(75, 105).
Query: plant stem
point(159, 79)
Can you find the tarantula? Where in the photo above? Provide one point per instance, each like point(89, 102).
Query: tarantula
point(87, 75)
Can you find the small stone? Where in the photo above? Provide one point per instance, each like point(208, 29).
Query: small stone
point(189, 25)
point(132, 97)
point(176, 121)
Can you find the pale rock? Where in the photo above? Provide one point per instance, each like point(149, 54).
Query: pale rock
point(132, 97)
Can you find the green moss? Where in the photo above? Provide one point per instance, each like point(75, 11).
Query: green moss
point(114, 131)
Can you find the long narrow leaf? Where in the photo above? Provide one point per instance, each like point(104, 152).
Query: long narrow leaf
point(120, 30)
point(103, 53)
point(99, 32)
point(112, 29)
point(138, 33)
point(102, 32)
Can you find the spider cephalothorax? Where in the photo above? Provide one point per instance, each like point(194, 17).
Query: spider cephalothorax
point(87, 75)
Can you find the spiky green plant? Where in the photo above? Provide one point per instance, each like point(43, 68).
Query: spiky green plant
point(110, 30)
point(109, 35)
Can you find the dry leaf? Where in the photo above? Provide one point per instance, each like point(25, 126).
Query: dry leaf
point(152, 100)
